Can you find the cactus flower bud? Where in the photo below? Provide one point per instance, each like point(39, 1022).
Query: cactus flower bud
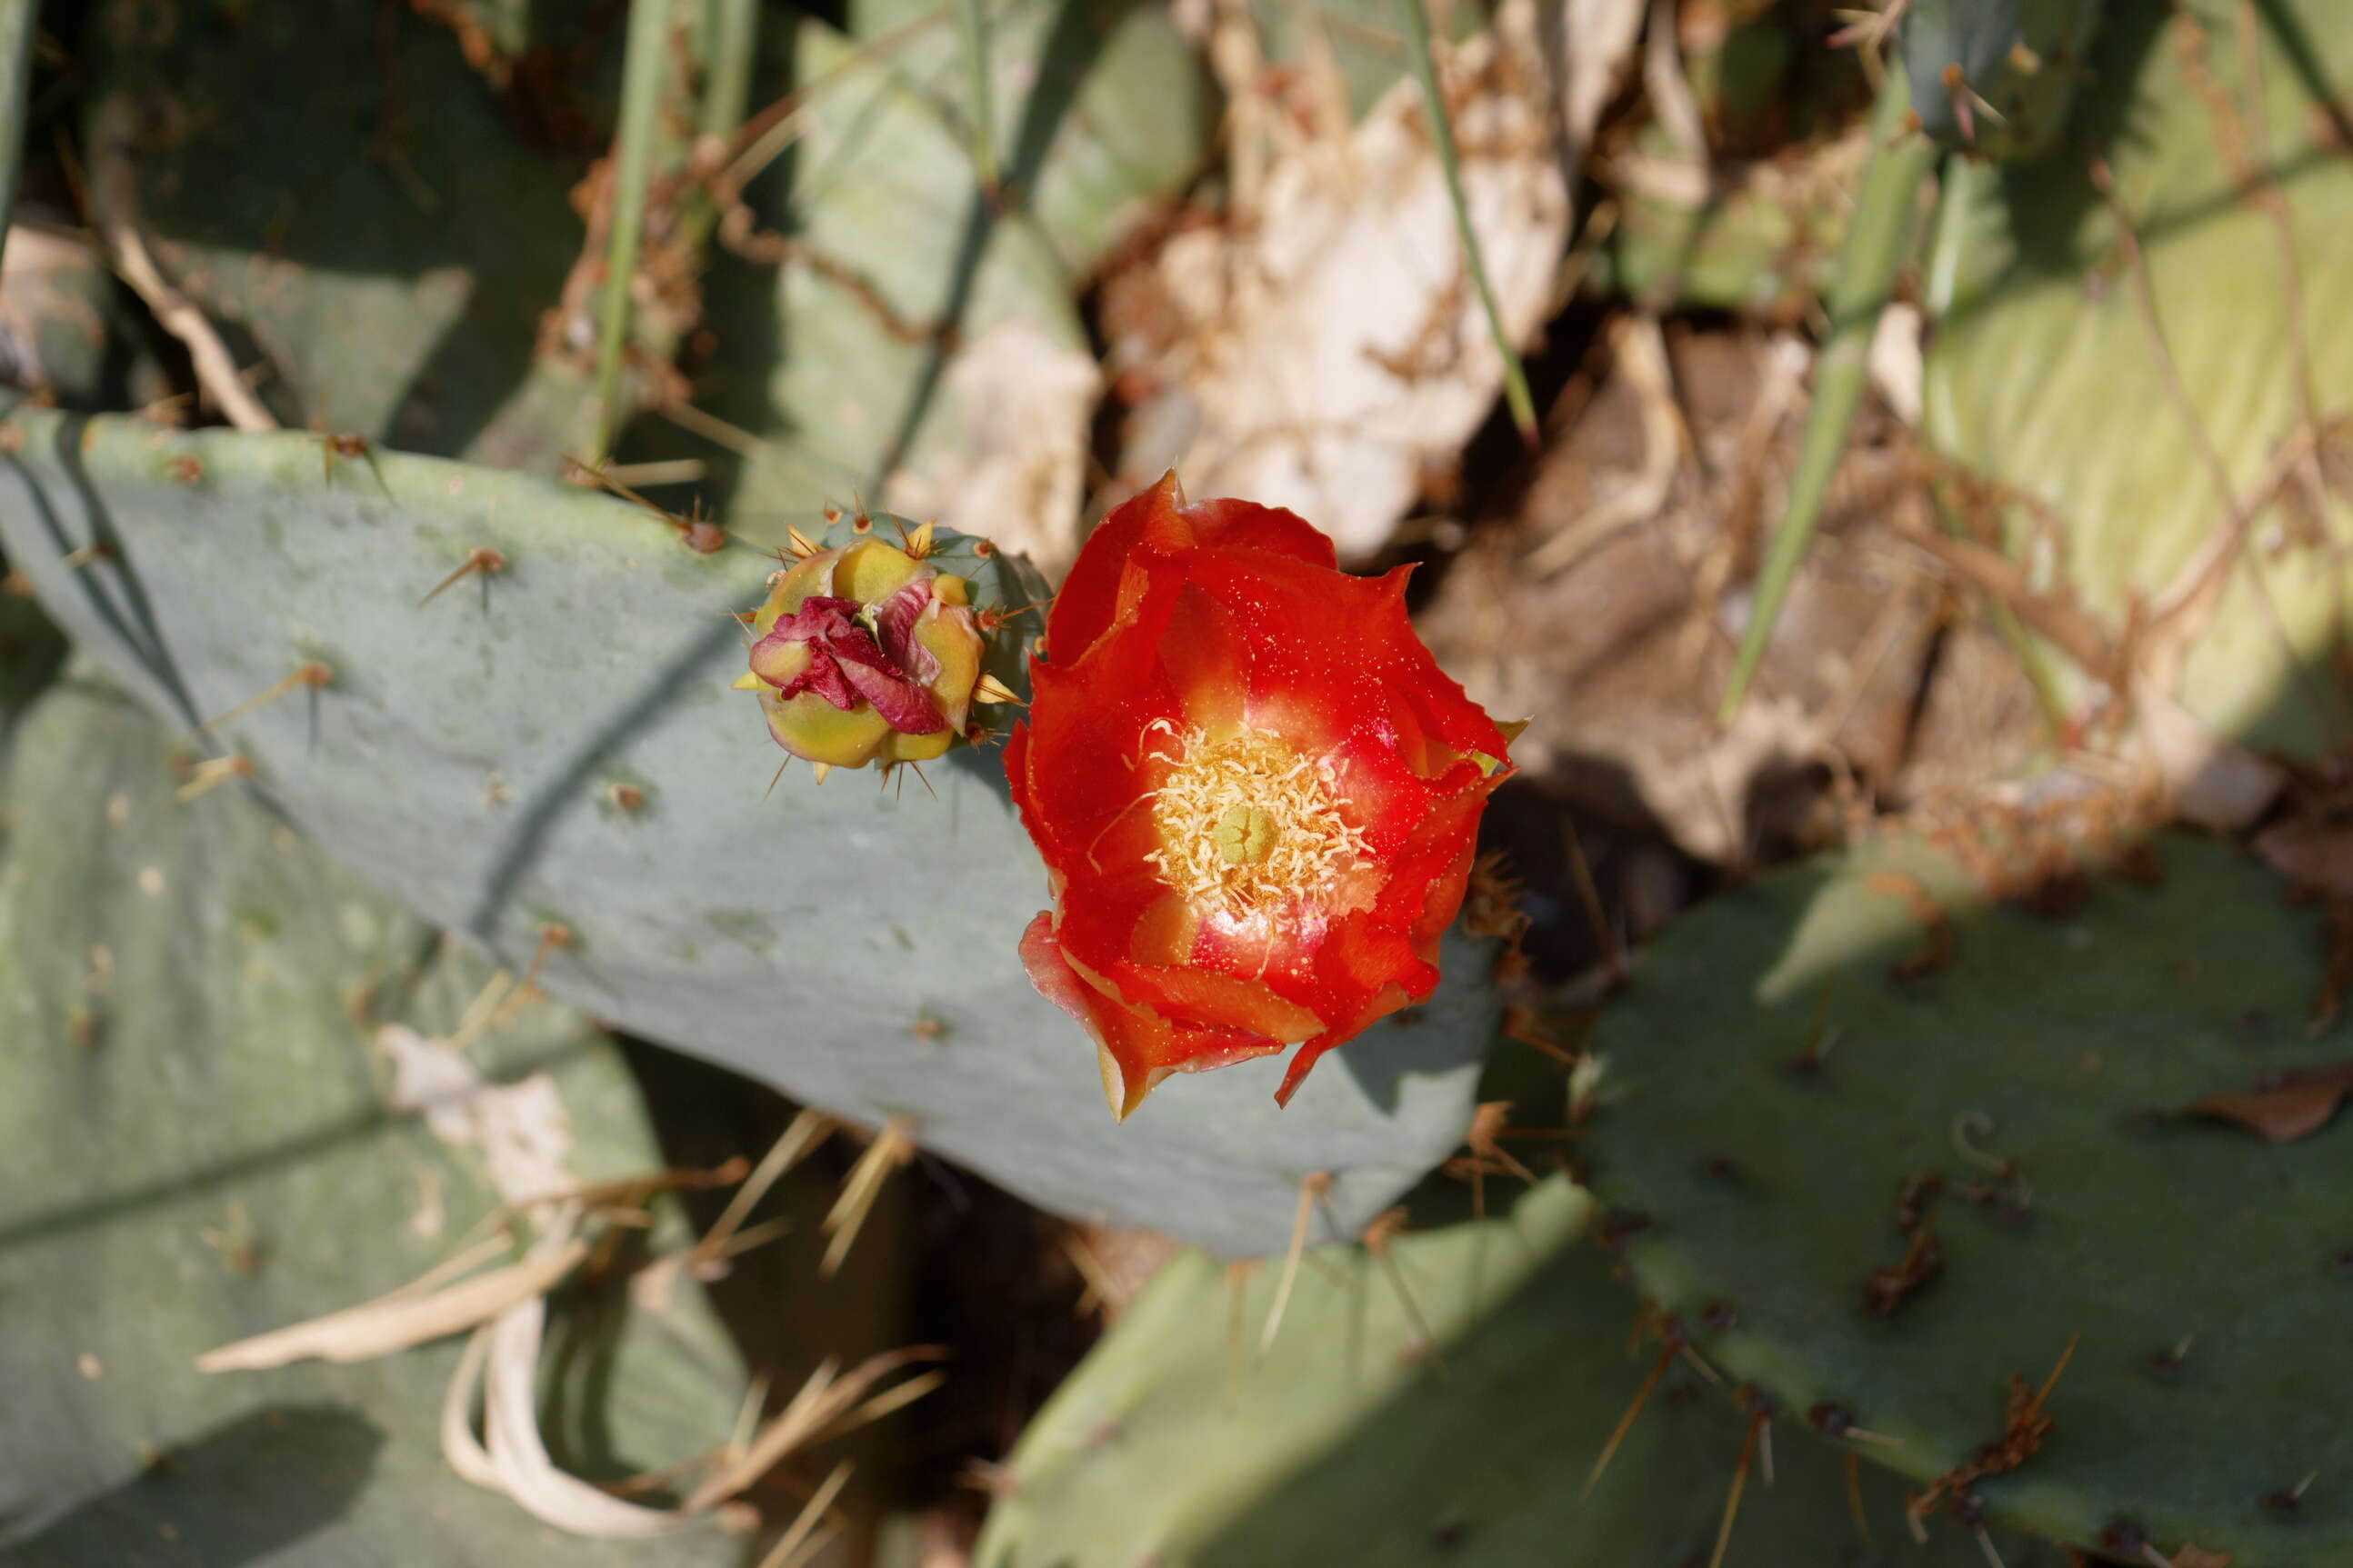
point(866, 653)
point(1256, 794)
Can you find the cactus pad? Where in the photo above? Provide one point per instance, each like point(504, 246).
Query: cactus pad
point(197, 1144)
point(364, 210)
point(1996, 78)
point(1793, 1062)
point(1065, 78)
point(556, 742)
point(2048, 374)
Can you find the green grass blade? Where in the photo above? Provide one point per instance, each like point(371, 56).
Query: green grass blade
point(730, 51)
point(971, 30)
point(646, 59)
point(1876, 245)
point(729, 48)
point(1442, 137)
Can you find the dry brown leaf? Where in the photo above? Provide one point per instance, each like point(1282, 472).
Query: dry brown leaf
point(2284, 1105)
point(2194, 1556)
point(1634, 621)
point(1594, 55)
point(2314, 850)
point(1014, 470)
point(1638, 355)
point(1328, 356)
point(2214, 783)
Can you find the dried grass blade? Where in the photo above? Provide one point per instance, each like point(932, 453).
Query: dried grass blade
point(397, 1321)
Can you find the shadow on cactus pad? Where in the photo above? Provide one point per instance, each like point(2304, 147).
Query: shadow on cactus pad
point(249, 1488)
point(1179, 1442)
point(1884, 1140)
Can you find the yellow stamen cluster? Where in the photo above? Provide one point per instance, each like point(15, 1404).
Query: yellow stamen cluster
point(1245, 823)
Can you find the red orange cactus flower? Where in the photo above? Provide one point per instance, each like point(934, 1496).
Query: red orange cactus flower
point(1255, 792)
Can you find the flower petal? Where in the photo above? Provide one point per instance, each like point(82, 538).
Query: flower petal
point(1158, 523)
point(1207, 660)
point(894, 620)
point(1246, 525)
point(1194, 994)
point(1135, 1048)
point(1310, 1052)
point(904, 706)
point(1098, 739)
point(1088, 600)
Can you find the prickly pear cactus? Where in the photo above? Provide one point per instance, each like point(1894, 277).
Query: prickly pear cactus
point(1996, 78)
point(843, 358)
point(392, 264)
point(1063, 85)
point(554, 743)
point(1883, 1142)
point(2167, 401)
point(1178, 1442)
point(198, 1142)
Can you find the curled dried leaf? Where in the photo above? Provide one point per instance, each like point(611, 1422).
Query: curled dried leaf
point(2280, 1107)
